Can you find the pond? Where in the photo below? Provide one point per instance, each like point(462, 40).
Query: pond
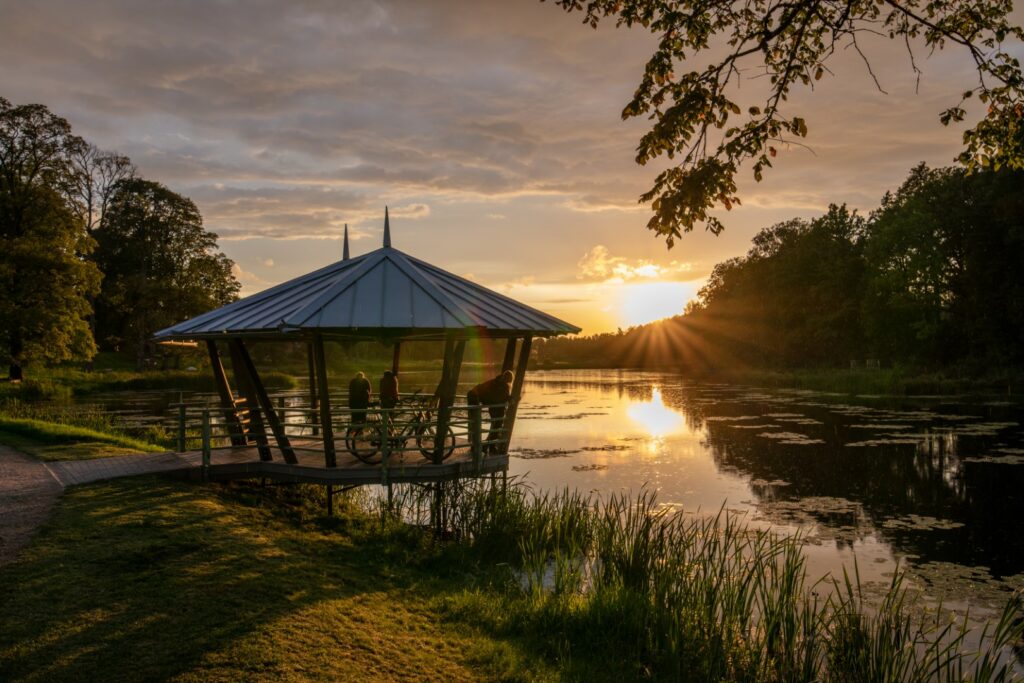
point(933, 484)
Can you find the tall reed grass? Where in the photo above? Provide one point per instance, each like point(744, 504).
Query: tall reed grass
point(681, 597)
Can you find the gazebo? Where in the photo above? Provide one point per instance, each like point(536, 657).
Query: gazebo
point(385, 296)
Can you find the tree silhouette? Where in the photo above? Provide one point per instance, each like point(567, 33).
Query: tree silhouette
point(697, 120)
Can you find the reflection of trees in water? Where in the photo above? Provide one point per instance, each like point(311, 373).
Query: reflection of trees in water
point(634, 390)
point(928, 479)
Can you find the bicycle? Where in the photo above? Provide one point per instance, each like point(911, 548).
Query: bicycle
point(363, 440)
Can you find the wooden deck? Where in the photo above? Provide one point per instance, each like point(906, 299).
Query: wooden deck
point(402, 468)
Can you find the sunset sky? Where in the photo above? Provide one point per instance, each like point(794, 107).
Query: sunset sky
point(491, 129)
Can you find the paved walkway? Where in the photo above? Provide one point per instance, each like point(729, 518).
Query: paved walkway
point(29, 487)
point(27, 494)
point(71, 472)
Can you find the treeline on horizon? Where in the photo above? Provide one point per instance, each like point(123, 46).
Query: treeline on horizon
point(92, 256)
point(933, 279)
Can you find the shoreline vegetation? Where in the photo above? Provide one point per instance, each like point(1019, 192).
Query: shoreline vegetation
point(859, 381)
point(163, 579)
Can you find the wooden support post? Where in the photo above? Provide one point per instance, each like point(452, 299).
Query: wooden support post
point(476, 425)
point(396, 356)
point(256, 427)
point(510, 354)
point(227, 399)
point(266, 405)
point(311, 416)
point(438, 507)
point(181, 425)
point(449, 386)
point(206, 445)
point(449, 344)
point(330, 457)
point(384, 434)
point(517, 391)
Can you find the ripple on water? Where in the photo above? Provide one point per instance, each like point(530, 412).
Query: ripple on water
point(920, 523)
point(878, 443)
point(766, 482)
point(791, 438)
point(996, 459)
point(878, 426)
point(542, 453)
point(802, 421)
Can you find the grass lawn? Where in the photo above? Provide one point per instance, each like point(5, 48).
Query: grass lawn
point(147, 579)
point(57, 441)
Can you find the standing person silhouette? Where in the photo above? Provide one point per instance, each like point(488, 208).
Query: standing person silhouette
point(495, 394)
point(359, 397)
point(388, 391)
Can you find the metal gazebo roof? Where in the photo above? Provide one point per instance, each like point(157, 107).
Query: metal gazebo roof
point(382, 294)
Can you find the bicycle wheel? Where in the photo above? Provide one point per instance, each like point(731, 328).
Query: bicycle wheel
point(364, 443)
point(426, 439)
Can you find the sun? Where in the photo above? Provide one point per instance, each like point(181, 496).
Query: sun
point(644, 302)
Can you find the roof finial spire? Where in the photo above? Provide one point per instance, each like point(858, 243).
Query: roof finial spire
point(387, 228)
point(344, 251)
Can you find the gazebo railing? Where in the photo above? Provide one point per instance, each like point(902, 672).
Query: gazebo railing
point(377, 436)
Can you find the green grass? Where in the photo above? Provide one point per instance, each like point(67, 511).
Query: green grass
point(59, 441)
point(146, 579)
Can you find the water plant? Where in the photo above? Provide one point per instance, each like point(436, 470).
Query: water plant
point(675, 596)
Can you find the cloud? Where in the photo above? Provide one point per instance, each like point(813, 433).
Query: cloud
point(599, 265)
point(251, 283)
point(365, 101)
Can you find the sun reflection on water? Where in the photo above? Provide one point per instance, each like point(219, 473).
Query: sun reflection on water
point(657, 419)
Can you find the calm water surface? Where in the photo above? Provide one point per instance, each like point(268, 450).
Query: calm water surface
point(932, 483)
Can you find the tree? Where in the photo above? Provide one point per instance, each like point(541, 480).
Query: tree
point(161, 265)
point(795, 298)
point(96, 175)
point(945, 254)
point(790, 43)
point(45, 284)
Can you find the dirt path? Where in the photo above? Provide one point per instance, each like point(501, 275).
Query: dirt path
point(27, 494)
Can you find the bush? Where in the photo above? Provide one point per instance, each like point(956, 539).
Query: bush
point(34, 390)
